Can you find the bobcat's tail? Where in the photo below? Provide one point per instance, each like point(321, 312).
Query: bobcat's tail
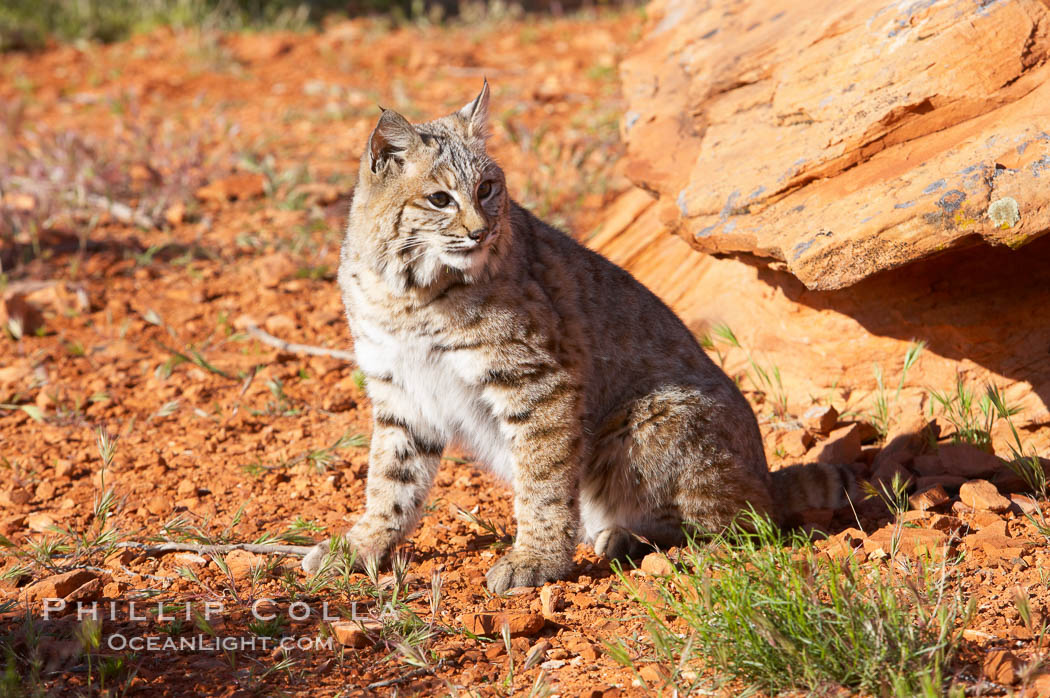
point(813, 486)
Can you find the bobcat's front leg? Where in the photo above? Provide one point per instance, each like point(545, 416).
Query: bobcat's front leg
point(540, 412)
point(403, 461)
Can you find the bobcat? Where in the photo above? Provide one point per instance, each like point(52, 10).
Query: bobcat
point(476, 322)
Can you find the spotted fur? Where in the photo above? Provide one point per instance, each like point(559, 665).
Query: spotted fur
point(476, 323)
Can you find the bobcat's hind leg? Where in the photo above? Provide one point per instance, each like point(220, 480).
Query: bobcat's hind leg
point(614, 543)
point(621, 543)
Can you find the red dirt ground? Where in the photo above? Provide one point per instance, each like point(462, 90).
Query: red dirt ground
point(273, 125)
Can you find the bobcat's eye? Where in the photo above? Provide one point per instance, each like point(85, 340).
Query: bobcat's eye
point(485, 190)
point(440, 199)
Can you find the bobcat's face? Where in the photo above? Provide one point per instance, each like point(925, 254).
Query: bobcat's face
point(438, 201)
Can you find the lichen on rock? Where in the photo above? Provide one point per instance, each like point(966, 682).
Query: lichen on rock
point(1004, 213)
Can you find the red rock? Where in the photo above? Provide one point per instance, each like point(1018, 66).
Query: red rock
point(58, 297)
point(982, 495)
point(842, 446)
point(928, 499)
point(1039, 686)
point(175, 213)
point(552, 600)
point(114, 590)
point(939, 284)
point(1006, 480)
point(993, 529)
point(119, 558)
point(89, 591)
point(12, 524)
point(15, 375)
point(822, 105)
point(39, 522)
point(994, 542)
point(15, 497)
point(984, 519)
point(536, 653)
point(948, 524)
point(820, 418)
point(929, 465)
point(1001, 667)
point(491, 623)
point(968, 461)
point(279, 325)
point(274, 268)
point(913, 516)
point(582, 647)
point(158, 505)
point(909, 541)
point(656, 564)
point(350, 634)
point(63, 468)
point(243, 564)
point(905, 441)
point(843, 334)
point(794, 443)
point(58, 586)
point(654, 675)
point(845, 543)
point(582, 600)
point(247, 185)
point(1024, 504)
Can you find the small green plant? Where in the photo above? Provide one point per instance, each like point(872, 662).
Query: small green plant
point(1026, 464)
point(883, 404)
point(765, 380)
point(894, 494)
point(763, 607)
point(268, 628)
point(281, 405)
point(64, 548)
point(321, 459)
point(502, 537)
point(971, 416)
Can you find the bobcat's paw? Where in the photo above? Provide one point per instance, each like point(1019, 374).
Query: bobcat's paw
point(614, 543)
point(311, 564)
point(523, 570)
point(361, 544)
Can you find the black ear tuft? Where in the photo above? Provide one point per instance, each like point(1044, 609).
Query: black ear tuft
point(476, 113)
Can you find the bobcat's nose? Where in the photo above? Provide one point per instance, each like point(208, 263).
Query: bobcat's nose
point(478, 235)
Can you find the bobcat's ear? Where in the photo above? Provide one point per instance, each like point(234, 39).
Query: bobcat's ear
point(392, 137)
point(476, 114)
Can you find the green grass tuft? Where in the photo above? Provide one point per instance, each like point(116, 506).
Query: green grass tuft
point(765, 608)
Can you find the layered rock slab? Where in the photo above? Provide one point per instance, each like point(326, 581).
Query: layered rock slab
point(978, 310)
point(843, 138)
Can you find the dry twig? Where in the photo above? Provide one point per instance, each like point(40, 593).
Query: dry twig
point(293, 348)
point(204, 549)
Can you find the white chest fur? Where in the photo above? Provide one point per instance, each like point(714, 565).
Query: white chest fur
point(435, 388)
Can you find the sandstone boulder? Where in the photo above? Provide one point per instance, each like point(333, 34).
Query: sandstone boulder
point(843, 138)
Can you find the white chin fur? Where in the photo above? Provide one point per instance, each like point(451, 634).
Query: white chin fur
point(470, 265)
